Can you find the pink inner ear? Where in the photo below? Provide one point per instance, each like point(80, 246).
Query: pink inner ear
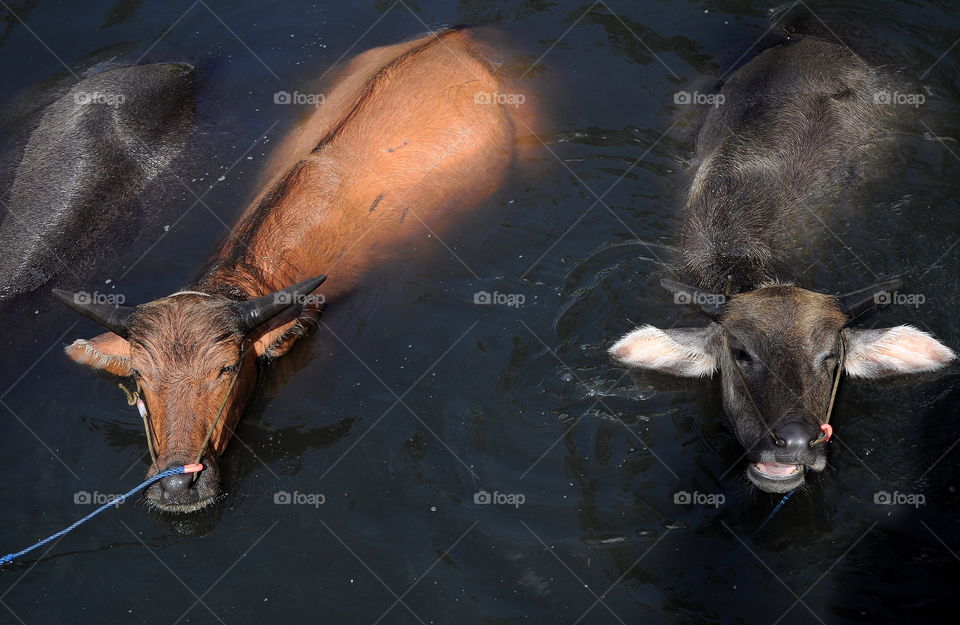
point(651, 348)
point(914, 351)
point(642, 347)
point(643, 350)
point(902, 349)
point(106, 351)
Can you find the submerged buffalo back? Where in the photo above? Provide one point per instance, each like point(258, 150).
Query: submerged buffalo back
point(791, 121)
point(92, 154)
point(401, 147)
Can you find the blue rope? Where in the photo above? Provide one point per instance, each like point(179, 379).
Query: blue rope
point(113, 502)
point(775, 510)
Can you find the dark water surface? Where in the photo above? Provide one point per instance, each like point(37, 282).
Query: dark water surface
point(518, 400)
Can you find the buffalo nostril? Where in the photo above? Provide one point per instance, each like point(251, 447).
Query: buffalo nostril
point(174, 485)
point(795, 436)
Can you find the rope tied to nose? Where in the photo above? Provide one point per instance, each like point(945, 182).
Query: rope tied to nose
point(135, 398)
point(187, 468)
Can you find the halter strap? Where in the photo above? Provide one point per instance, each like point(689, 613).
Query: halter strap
point(223, 405)
point(189, 293)
point(135, 398)
point(825, 427)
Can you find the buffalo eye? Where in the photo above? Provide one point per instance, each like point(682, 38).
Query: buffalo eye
point(230, 369)
point(742, 356)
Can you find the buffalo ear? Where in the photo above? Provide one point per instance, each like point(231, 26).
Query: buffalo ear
point(681, 351)
point(107, 352)
point(893, 351)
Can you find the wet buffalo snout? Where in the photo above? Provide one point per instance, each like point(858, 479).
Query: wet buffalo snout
point(184, 492)
point(795, 437)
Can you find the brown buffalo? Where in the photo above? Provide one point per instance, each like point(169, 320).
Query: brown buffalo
point(402, 144)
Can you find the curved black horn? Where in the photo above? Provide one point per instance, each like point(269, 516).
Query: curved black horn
point(112, 317)
point(258, 311)
point(710, 304)
point(856, 303)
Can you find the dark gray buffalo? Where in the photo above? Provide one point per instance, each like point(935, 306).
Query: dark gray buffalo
point(92, 154)
point(790, 123)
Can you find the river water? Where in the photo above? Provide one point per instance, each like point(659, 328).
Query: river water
point(518, 404)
